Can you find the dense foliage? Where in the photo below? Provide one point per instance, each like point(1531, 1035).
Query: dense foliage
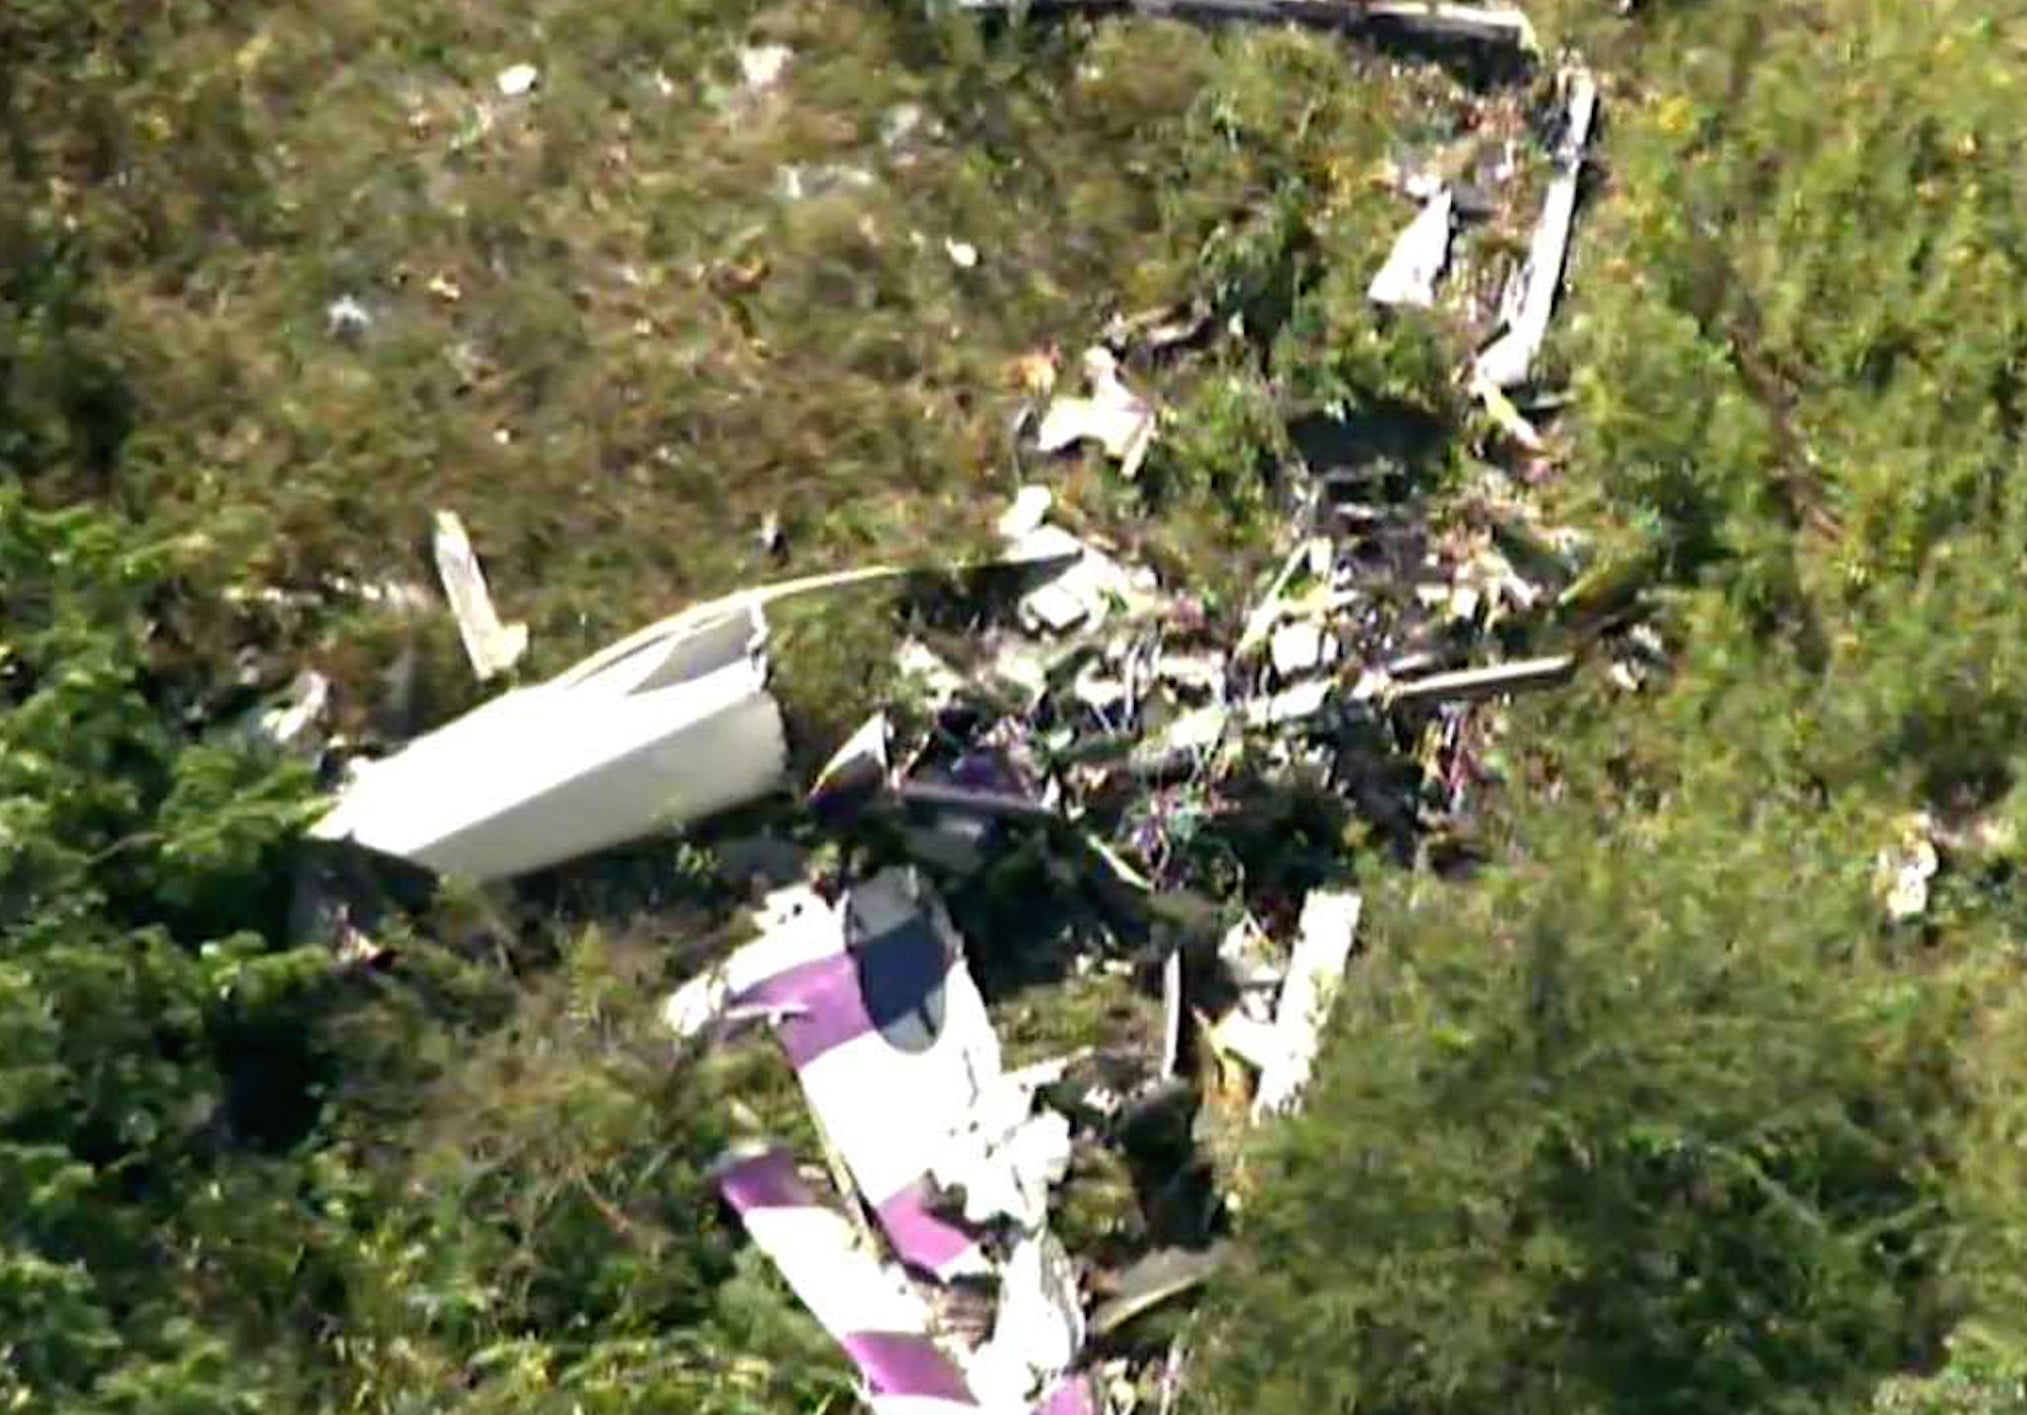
point(1662, 1114)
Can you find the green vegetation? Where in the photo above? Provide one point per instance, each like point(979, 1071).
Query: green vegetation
point(1656, 1112)
point(1660, 1114)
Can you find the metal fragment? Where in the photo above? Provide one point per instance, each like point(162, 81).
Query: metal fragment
point(1322, 950)
point(1470, 683)
point(492, 647)
point(1418, 258)
point(1509, 360)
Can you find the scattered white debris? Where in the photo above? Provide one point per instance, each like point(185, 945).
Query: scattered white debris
point(517, 80)
point(1902, 871)
point(1418, 258)
point(492, 647)
point(963, 254)
point(1322, 951)
point(1113, 415)
point(657, 730)
point(762, 65)
point(1509, 360)
point(346, 318)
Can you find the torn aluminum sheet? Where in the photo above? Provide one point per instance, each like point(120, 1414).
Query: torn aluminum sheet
point(1113, 415)
point(1039, 1328)
point(1509, 360)
point(674, 728)
point(891, 1011)
point(1418, 258)
point(882, 1324)
point(1322, 951)
point(492, 647)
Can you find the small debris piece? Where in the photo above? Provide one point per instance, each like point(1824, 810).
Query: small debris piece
point(1470, 683)
point(962, 254)
point(1509, 360)
point(663, 728)
point(1274, 604)
point(1322, 950)
point(309, 695)
point(1297, 704)
point(517, 80)
point(1114, 416)
point(1473, 22)
point(770, 535)
point(445, 288)
point(1298, 647)
point(1902, 871)
point(492, 647)
point(1418, 258)
point(762, 65)
point(1171, 1004)
point(1030, 508)
point(1073, 585)
point(857, 770)
point(1157, 330)
point(1157, 1278)
point(346, 318)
